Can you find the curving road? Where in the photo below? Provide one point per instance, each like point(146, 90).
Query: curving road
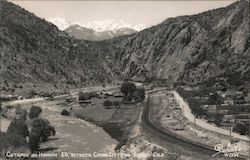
point(205, 152)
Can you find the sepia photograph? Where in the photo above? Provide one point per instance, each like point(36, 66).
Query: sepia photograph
point(124, 80)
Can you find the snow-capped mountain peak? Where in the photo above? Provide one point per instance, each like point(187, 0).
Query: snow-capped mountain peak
point(111, 24)
point(99, 26)
point(61, 23)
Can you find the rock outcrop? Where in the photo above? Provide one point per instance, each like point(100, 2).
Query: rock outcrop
point(186, 48)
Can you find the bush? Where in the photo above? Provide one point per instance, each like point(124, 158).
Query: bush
point(40, 131)
point(240, 128)
point(65, 112)
point(12, 141)
point(141, 92)
point(5, 110)
point(215, 99)
point(34, 140)
point(12, 90)
point(2, 99)
point(128, 88)
point(15, 86)
point(116, 103)
point(47, 131)
point(107, 103)
point(18, 126)
point(93, 94)
point(32, 93)
point(84, 96)
point(235, 79)
point(34, 112)
point(21, 113)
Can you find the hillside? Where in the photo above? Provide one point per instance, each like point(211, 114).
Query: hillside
point(34, 51)
point(187, 48)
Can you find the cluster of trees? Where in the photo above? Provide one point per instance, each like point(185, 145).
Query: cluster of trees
point(87, 95)
point(215, 98)
point(65, 112)
point(40, 129)
point(241, 129)
point(108, 103)
point(131, 92)
point(228, 78)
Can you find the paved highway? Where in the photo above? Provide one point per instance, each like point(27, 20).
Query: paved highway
point(205, 152)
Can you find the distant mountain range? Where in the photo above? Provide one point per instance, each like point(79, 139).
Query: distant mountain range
point(80, 32)
point(192, 48)
point(97, 30)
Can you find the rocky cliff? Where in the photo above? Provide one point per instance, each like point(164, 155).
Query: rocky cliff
point(186, 48)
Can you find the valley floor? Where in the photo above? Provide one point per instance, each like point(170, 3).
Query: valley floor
point(122, 131)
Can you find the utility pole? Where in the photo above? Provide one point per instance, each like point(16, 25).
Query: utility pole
point(230, 133)
point(1, 72)
point(232, 126)
point(249, 137)
point(153, 106)
point(183, 110)
point(194, 121)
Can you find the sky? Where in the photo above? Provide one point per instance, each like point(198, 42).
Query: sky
point(133, 12)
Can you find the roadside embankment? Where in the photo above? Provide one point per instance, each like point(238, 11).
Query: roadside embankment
point(203, 123)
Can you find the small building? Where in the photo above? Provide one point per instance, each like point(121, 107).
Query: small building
point(202, 98)
point(210, 108)
point(239, 99)
point(229, 101)
point(244, 121)
point(118, 94)
point(210, 120)
point(232, 94)
point(228, 118)
point(217, 85)
point(243, 118)
point(223, 111)
point(83, 96)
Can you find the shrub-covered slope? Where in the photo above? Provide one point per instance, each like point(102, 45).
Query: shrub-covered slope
point(33, 50)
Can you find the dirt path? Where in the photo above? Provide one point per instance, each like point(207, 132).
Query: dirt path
point(74, 135)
